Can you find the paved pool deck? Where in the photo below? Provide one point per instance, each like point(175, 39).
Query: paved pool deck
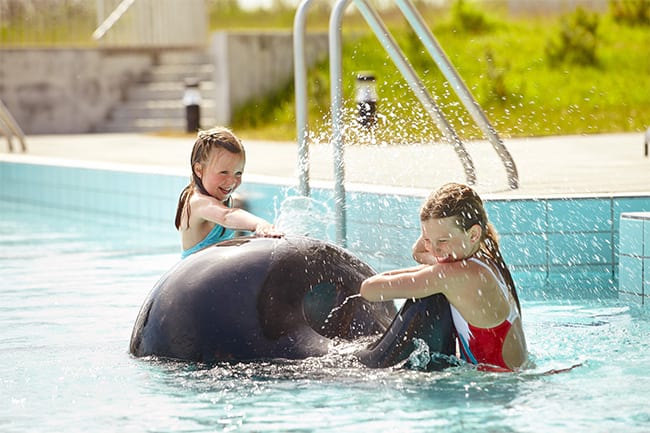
point(546, 166)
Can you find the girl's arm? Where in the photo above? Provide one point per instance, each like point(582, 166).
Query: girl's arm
point(399, 284)
point(401, 271)
point(451, 279)
point(211, 209)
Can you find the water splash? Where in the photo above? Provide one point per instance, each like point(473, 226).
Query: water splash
point(420, 357)
point(304, 216)
point(336, 309)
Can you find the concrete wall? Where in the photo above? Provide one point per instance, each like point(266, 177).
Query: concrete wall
point(59, 90)
point(66, 90)
point(249, 65)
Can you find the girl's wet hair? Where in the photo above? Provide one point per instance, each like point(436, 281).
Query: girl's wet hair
point(464, 204)
point(206, 141)
point(456, 200)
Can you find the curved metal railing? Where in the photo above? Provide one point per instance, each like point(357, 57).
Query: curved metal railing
point(10, 128)
point(417, 86)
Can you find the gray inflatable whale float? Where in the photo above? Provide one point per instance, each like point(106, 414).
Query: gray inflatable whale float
point(251, 298)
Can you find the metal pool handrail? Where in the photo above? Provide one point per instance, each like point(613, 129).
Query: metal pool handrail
point(153, 23)
point(9, 127)
point(416, 85)
point(114, 17)
point(437, 53)
point(300, 84)
point(336, 108)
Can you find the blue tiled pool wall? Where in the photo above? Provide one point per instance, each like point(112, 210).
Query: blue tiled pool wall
point(556, 248)
point(138, 200)
point(634, 257)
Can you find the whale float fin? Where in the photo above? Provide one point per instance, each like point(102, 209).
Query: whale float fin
point(427, 319)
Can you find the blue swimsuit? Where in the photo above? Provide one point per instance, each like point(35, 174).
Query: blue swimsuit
point(217, 234)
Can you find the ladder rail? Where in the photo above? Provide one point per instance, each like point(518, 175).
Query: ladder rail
point(112, 18)
point(300, 86)
point(9, 127)
point(372, 18)
point(417, 86)
point(337, 113)
point(451, 74)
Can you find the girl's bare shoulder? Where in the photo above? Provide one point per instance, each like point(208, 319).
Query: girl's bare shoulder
point(199, 200)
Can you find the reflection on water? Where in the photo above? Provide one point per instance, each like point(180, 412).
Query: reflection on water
point(325, 395)
point(70, 291)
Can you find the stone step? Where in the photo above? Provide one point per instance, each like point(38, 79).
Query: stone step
point(155, 103)
point(148, 109)
point(179, 73)
point(168, 90)
point(184, 57)
point(150, 125)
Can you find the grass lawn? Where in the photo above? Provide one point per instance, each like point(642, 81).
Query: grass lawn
point(505, 65)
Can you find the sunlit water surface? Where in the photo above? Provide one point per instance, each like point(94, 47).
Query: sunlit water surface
point(70, 289)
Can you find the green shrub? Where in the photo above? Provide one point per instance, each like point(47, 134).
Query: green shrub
point(578, 40)
point(631, 12)
point(467, 18)
point(496, 76)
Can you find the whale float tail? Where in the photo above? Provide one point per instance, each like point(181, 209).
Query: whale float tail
point(427, 319)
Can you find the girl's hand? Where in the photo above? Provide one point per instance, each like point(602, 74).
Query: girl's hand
point(266, 230)
point(421, 254)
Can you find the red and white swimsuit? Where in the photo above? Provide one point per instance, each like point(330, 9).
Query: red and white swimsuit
point(484, 346)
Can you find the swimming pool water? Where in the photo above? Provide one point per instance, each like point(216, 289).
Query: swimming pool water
point(70, 289)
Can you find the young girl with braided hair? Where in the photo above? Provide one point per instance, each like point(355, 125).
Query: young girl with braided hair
point(205, 213)
point(460, 258)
